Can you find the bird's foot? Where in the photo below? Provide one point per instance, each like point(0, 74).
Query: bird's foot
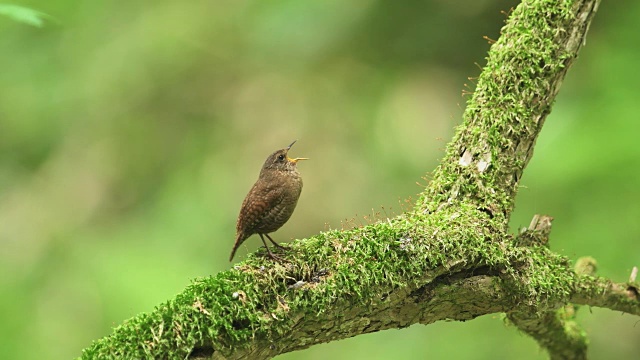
point(283, 247)
point(275, 257)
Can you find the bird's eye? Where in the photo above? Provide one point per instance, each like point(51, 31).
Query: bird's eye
point(280, 157)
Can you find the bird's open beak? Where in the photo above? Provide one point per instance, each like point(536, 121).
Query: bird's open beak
point(296, 159)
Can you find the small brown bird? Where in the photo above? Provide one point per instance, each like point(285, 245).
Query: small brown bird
point(271, 200)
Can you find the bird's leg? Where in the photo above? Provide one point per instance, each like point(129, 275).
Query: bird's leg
point(271, 255)
point(275, 243)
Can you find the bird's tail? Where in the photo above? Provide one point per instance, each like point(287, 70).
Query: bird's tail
point(240, 237)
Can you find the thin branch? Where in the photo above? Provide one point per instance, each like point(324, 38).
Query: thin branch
point(604, 293)
point(555, 330)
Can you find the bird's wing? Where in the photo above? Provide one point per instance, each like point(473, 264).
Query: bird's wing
point(259, 201)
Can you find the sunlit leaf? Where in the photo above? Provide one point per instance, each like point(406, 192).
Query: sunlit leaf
point(23, 14)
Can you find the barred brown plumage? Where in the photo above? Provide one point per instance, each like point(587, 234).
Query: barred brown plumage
point(271, 200)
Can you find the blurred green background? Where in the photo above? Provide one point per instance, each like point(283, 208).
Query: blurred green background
point(131, 131)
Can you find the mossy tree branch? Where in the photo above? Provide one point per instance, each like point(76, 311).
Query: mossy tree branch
point(451, 257)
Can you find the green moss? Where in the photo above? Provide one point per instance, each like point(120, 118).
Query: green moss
point(513, 96)
point(459, 224)
point(259, 299)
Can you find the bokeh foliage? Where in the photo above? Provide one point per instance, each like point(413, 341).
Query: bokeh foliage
point(130, 132)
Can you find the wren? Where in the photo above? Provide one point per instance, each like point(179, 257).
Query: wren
point(271, 200)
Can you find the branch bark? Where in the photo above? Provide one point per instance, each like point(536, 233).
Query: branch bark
point(451, 257)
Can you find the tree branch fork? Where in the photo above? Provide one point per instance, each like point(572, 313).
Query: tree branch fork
point(451, 257)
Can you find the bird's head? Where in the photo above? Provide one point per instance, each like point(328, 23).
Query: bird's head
point(281, 161)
